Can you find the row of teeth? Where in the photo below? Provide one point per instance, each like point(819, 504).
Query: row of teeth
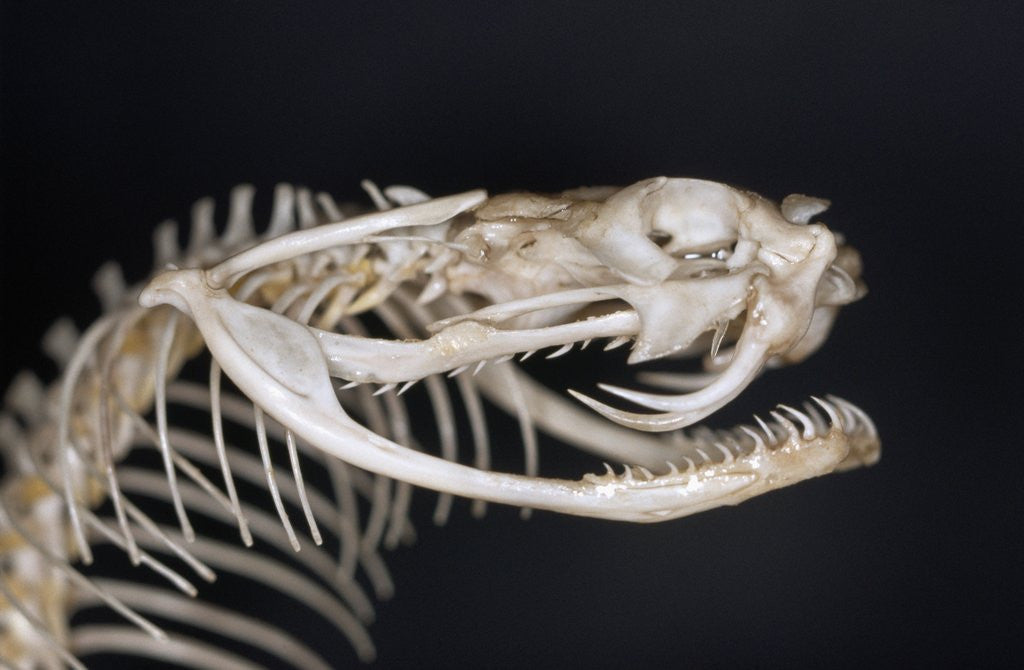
point(838, 413)
point(61, 339)
point(723, 446)
point(477, 367)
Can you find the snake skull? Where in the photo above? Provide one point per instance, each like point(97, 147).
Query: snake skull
point(679, 267)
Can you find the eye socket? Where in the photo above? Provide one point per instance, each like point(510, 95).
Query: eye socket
point(659, 237)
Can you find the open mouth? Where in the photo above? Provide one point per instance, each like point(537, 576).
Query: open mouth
point(466, 285)
point(324, 325)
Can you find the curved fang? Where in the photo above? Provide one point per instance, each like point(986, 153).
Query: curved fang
point(684, 410)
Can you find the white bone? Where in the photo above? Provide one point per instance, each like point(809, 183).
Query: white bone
point(280, 364)
point(202, 231)
point(458, 346)
point(165, 244)
point(684, 410)
point(282, 220)
point(351, 231)
point(666, 263)
point(240, 226)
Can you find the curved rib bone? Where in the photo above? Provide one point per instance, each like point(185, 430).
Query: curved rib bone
point(350, 231)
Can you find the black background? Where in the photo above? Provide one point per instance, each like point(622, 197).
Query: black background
point(116, 116)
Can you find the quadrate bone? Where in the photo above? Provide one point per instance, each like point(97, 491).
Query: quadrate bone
point(463, 284)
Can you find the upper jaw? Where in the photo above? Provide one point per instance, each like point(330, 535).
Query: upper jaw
point(767, 267)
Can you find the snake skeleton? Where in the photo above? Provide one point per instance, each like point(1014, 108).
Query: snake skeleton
point(263, 384)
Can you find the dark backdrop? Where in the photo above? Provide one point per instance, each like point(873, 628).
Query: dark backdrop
point(907, 115)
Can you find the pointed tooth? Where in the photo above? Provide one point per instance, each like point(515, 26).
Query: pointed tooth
point(809, 433)
point(673, 469)
point(627, 474)
point(457, 371)
point(816, 418)
point(860, 414)
point(849, 418)
point(586, 343)
point(646, 422)
point(504, 359)
point(560, 351)
point(677, 381)
point(527, 355)
point(609, 471)
point(866, 420)
point(479, 367)
point(384, 389)
point(695, 405)
point(616, 343)
point(648, 475)
point(690, 465)
point(732, 440)
point(407, 385)
point(690, 407)
point(727, 456)
point(821, 426)
point(759, 444)
point(830, 410)
point(350, 385)
point(768, 432)
point(725, 355)
point(786, 425)
point(703, 454)
point(649, 400)
point(716, 342)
